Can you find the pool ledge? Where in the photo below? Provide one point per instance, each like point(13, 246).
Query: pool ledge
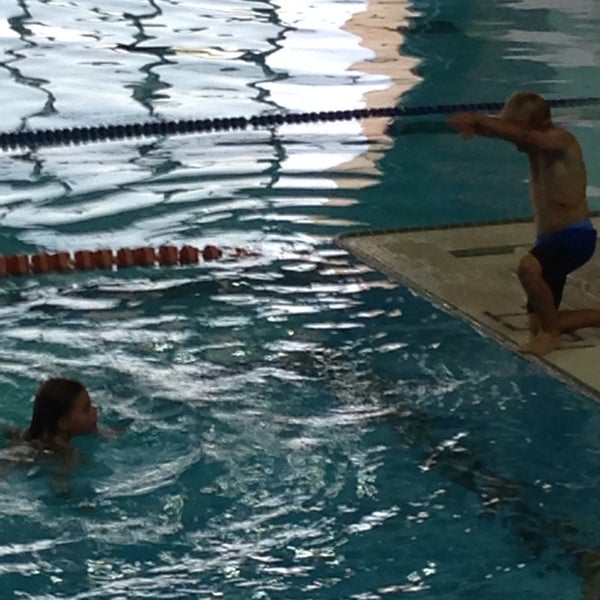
point(470, 271)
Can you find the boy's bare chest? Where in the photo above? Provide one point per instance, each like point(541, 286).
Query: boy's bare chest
point(547, 173)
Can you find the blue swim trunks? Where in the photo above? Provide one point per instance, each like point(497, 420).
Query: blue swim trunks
point(562, 252)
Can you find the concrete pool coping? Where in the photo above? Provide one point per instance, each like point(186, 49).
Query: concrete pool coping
point(470, 271)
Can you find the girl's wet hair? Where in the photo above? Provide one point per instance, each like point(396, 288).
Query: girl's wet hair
point(54, 399)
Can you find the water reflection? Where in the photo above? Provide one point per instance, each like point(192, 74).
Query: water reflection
point(260, 454)
point(380, 28)
point(278, 78)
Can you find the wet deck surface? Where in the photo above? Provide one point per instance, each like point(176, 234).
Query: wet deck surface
point(471, 272)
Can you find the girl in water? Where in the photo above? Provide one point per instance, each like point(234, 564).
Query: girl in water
point(62, 409)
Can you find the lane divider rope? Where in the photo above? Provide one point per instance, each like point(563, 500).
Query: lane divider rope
point(88, 260)
point(97, 133)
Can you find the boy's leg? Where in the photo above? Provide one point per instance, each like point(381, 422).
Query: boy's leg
point(580, 249)
point(571, 320)
point(542, 302)
point(534, 321)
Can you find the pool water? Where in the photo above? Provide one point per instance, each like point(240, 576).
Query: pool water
point(293, 424)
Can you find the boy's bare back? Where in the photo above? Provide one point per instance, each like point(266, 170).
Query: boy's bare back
point(557, 182)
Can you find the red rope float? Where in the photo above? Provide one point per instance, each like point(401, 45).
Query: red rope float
point(88, 260)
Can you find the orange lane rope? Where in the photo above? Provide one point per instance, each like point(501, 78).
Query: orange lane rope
point(88, 260)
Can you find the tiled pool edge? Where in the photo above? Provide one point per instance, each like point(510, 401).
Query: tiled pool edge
point(394, 253)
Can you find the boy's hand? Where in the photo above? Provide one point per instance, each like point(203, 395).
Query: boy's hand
point(465, 123)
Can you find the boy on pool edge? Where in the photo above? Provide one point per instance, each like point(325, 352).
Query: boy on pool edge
point(566, 238)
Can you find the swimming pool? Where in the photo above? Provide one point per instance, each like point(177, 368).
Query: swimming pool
point(295, 425)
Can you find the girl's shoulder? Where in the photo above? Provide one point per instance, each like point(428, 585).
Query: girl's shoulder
point(19, 452)
point(19, 448)
point(12, 435)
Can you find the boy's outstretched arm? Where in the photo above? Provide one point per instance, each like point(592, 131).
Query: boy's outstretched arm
point(472, 123)
point(465, 123)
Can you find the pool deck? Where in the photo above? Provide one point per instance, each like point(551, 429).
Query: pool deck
point(470, 271)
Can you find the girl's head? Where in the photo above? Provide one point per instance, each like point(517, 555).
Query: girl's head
point(62, 408)
point(528, 110)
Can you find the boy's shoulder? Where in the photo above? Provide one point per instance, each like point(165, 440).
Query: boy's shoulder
point(560, 134)
point(552, 140)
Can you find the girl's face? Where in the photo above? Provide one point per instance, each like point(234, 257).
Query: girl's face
point(82, 418)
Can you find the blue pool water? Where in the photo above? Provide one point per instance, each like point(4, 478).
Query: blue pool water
point(294, 425)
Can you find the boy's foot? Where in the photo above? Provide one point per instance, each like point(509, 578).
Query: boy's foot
point(541, 344)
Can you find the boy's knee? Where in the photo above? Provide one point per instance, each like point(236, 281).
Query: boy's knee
point(529, 268)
